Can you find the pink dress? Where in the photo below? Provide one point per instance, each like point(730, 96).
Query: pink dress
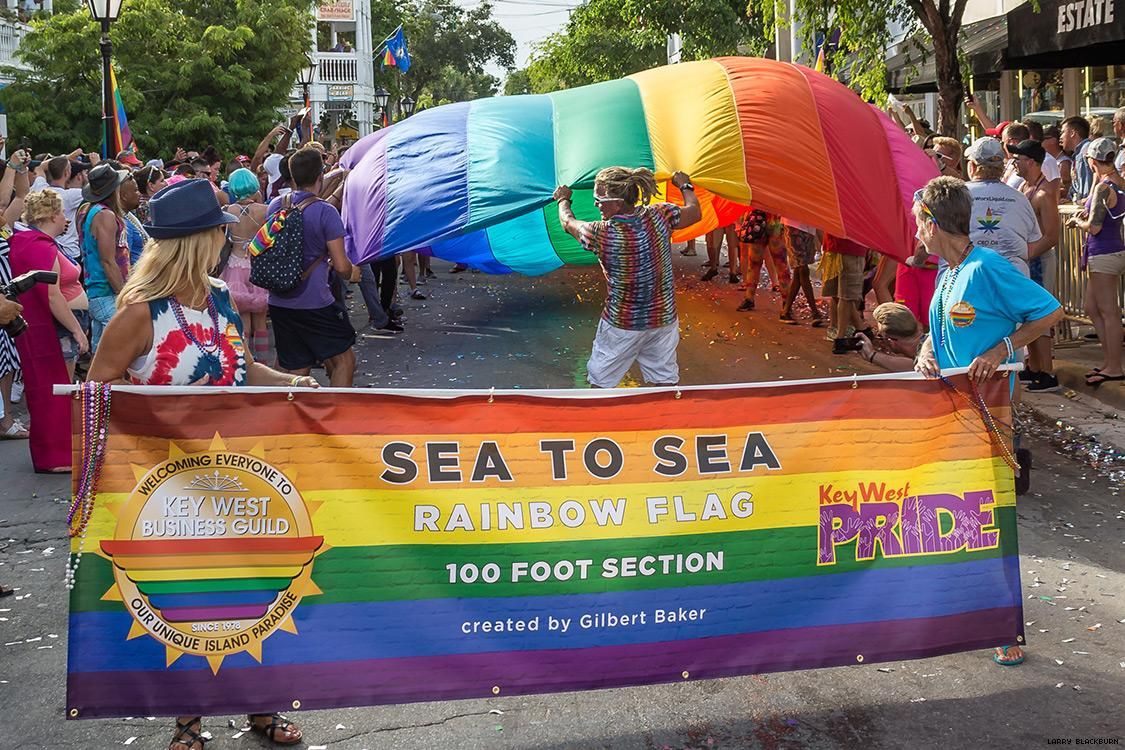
point(248, 297)
point(41, 355)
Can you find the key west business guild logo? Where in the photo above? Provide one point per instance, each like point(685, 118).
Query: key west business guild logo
point(212, 553)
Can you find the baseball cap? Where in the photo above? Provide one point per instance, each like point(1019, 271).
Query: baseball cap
point(1052, 131)
point(1030, 149)
point(985, 150)
point(997, 131)
point(77, 166)
point(242, 159)
point(129, 159)
point(1101, 149)
point(158, 163)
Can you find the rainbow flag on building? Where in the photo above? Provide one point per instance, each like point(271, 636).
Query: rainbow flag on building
point(395, 52)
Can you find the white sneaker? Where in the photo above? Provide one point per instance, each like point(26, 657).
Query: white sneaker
point(17, 391)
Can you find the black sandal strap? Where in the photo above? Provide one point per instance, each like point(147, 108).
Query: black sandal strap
point(277, 721)
point(187, 736)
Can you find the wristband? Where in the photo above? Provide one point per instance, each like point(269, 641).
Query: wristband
point(1008, 343)
point(568, 200)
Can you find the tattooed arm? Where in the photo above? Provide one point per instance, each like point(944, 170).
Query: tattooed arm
point(1092, 224)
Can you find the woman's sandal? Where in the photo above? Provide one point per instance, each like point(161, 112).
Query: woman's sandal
point(1092, 372)
point(277, 722)
point(186, 737)
point(1001, 657)
point(15, 431)
point(1098, 378)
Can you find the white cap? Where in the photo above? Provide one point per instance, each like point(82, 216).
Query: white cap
point(985, 150)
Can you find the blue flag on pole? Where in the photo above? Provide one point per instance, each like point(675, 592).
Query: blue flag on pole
point(396, 54)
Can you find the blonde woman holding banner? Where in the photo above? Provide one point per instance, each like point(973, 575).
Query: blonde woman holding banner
point(177, 326)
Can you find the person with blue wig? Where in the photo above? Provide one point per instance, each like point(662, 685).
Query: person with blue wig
point(252, 301)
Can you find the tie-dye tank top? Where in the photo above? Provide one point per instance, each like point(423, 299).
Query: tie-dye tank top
point(189, 345)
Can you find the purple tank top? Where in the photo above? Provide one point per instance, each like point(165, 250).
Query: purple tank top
point(1109, 240)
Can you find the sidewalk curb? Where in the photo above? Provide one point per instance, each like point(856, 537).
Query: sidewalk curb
point(1073, 376)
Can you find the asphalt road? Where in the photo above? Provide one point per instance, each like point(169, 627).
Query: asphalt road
point(477, 331)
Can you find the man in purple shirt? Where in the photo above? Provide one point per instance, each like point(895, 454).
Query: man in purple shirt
point(309, 324)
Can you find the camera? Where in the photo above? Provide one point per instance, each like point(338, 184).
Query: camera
point(18, 286)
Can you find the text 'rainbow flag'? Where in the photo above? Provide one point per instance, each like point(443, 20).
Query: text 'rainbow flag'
point(359, 547)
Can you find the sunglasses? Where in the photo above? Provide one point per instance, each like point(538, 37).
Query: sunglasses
point(922, 204)
point(599, 200)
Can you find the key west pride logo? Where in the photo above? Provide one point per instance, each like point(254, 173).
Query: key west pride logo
point(212, 553)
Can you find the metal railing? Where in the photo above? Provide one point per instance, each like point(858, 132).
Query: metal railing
point(337, 67)
point(1070, 286)
point(11, 34)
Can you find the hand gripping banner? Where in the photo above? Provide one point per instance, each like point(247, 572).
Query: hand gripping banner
point(257, 550)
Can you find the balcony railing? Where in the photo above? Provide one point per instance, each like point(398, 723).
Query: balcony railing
point(337, 67)
point(11, 34)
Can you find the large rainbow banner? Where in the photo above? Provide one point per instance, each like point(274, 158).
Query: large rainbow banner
point(260, 549)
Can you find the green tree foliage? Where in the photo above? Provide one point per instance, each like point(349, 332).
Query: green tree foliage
point(608, 39)
point(518, 82)
point(191, 72)
point(865, 35)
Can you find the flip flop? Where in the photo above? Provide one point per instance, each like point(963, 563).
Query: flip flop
point(1098, 378)
point(1092, 372)
point(15, 432)
point(1002, 660)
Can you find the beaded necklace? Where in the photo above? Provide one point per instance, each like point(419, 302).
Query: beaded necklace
point(947, 283)
point(95, 407)
point(214, 338)
point(990, 422)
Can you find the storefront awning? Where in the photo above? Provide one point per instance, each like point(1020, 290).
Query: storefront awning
point(910, 69)
point(1067, 34)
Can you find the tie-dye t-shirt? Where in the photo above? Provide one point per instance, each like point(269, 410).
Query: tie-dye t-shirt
point(177, 360)
point(635, 251)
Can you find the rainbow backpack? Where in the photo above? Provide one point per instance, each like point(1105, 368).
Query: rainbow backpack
point(277, 250)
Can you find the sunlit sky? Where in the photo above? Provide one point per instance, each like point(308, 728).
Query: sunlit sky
point(529, 21)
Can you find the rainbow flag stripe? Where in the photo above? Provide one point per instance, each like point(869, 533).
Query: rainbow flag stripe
point(730, 593)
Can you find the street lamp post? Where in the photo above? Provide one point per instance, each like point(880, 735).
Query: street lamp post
point(307, 76)
point(382, 96)
point(106, 12)
point(407, 106)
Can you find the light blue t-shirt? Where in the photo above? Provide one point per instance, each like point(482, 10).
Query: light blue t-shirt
point(988, 300)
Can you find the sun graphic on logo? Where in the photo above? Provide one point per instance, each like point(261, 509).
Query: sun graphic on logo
point(212, 552)
point(989, 223)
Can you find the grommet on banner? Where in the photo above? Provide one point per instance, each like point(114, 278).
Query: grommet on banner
point(290, 396)
point(685, 674)
point(855, 380)
point(1019, 638)
point(491, 394)
point(73, 713)
point(859, 658)
point(679, 393)
point(296, 705)
point(496, 690)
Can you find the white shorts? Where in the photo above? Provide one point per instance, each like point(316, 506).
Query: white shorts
point(615, 350)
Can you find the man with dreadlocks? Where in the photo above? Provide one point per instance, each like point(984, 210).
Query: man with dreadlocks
point(633, 242)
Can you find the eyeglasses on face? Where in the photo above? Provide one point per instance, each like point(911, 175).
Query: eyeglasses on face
point(600, 199)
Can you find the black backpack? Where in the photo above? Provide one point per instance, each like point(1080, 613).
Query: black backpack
point(280, 267)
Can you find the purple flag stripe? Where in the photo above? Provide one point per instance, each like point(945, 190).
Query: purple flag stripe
point(207, 614)
point(384, 681)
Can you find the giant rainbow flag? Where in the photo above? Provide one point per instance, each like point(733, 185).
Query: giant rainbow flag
point(473, 180)
point(357, 547)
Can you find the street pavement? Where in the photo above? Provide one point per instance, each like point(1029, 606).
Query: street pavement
point(477, 331)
